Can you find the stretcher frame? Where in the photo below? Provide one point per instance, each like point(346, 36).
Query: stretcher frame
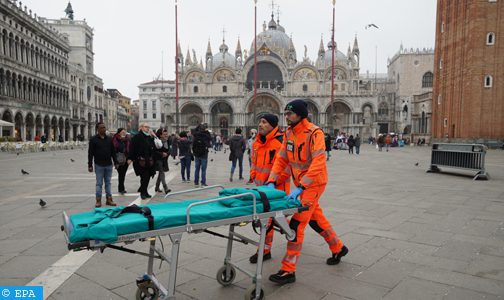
point(149, 287)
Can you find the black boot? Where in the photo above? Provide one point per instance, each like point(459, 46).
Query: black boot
point(283, 277)
point(336, 257)
point(253, 258)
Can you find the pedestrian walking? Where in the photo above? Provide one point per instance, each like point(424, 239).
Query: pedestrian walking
point(161, 163)
point(358, 142)
point(351, 144)
point(185, 156)
point(237, 147)
point(172, 142)
point(380, 142)
point(250, 141)
point(121, 145)
point(264, 152)
point(303, 152)
point(142, 154)
point(327, 140)
point(102, 152)
point(201, 142)
point(388, 141)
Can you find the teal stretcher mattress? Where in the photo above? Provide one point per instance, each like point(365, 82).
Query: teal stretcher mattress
point(106, 224)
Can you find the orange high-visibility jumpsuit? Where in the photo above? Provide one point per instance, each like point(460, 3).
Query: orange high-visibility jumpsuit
point(262, 157)
point(303, 150)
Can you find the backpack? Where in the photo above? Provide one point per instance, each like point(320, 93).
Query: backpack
point(199, 148)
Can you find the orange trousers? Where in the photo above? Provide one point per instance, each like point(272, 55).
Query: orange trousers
point(317, 221)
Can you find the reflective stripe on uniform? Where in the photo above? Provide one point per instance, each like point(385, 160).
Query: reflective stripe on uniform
point(262, 170)
point(258, 182)
point(327, 233)
point(294, 247)
point(318, 152)
point(306, 180)
point(290, 258)
point(283, 154)
point(302, 167)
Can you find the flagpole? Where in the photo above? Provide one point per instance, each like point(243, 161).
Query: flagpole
point(255, 53)
point(331, 110)
point(177, 120)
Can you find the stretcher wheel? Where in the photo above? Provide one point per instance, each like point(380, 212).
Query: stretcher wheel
point(147, 291)
point(250, 294)
point(226, 279)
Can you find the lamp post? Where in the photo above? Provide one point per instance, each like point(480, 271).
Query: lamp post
point(177, 120)
point(332, 69)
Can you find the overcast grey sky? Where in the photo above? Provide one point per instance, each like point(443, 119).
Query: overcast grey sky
point(129, 36)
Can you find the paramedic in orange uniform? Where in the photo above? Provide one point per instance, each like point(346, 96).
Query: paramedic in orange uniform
point(264, 150)
point(303, 151)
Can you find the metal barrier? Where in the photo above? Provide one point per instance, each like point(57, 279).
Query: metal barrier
point(460, 156)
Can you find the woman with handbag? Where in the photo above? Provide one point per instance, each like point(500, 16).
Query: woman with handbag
point(142, 154)
point(161, 163)
point(121, 145)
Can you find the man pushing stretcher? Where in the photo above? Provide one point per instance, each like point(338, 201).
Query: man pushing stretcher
point(303, 151)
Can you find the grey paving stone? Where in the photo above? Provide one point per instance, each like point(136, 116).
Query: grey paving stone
point(105, 274)
point(297, 291)
point(385, 233)
point(387, 272)
point(12, 246)
point(457, 293)
point(470, 282)
point(208, 288)
point(486, 266)
point(26, 266)
point(428, 260)
point(342, 286)
point(81, 288)
point(418, 289)
point(424, 234)
point(459, 250)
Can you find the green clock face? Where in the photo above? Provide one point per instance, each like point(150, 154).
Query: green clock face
point(88, 93)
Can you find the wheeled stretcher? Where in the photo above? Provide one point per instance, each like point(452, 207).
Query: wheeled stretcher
point(107, 227)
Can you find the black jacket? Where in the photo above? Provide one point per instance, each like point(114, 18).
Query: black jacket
point(207, 140)
point(102, 150)
point(142, 146)
point(184, 147)
point(237, 145)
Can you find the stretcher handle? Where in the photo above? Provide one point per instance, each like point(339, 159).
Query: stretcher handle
point(303, 208)
point(195, 190)
point(188, 217)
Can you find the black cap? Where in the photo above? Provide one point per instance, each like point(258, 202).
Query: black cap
point(271, 119)
point(299, 107)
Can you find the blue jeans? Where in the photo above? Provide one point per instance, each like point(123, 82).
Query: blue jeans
point(357, 149)
point(200, 163)
point(103, 174)
point(240, 165)
point(185, 167)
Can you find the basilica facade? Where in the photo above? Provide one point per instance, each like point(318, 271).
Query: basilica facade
point(219, 91)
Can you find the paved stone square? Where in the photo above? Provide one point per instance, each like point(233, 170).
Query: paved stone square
point(411, 235)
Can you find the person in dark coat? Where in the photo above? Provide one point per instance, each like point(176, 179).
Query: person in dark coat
point(201, 142)
point(351, 144)
point(185, 156)
point(121, 145)
point(327, 140)
point(237, 147)
point(161, 164)
point(358, 142)
point(143, 154)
